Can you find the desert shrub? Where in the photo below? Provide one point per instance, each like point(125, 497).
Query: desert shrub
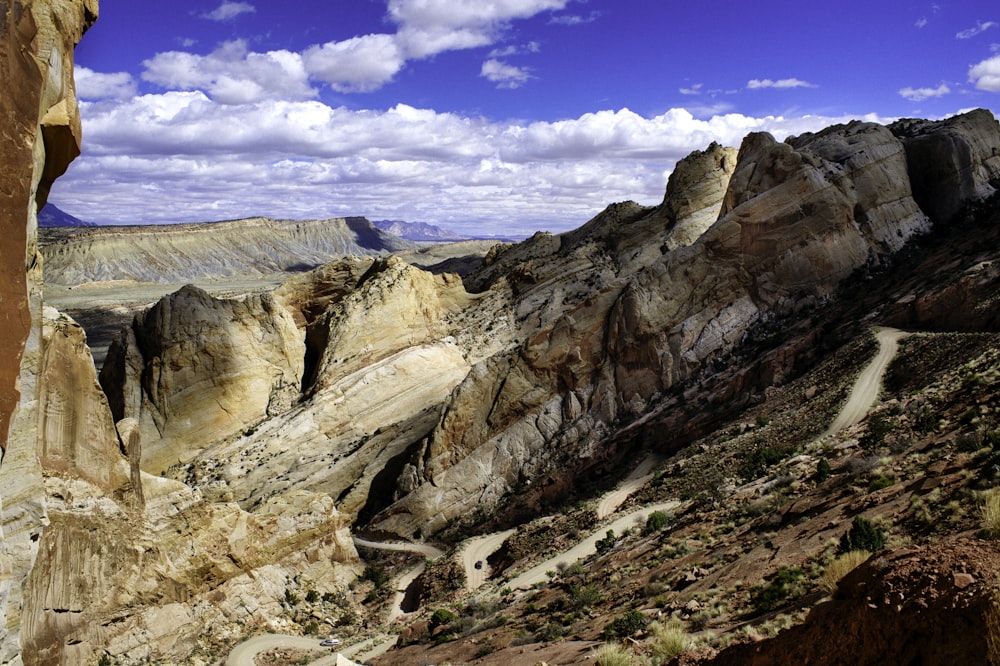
point(878, 428)
point(376, 575)
point(626, 625)
point(822, 470)
point(989, 515)
point(442, 616)
point(607, 543)
point(880, 481)
point(290, 597)
point(312, 596)
point(927, 422)
point(669, 640)
point(787, 582)
point(863, 535)
point(840, 567)
point(761, 460)
point(655, 522)
point(992, 438)
point(584, 597)
point(311, 629)
point(613, 654)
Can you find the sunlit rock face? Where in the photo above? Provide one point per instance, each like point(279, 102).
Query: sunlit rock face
point(41, 128)
point(195, 369)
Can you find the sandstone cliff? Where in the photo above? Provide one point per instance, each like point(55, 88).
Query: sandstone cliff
point(42, 135)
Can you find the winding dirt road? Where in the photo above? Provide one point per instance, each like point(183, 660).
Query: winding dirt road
point(639, 477)
point(869, 383)
point(588, 546)
point(479, 549)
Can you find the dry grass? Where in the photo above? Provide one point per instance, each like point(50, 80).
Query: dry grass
point(669, 640)
point(840, 567)
point(613, 654)
point(989, 514)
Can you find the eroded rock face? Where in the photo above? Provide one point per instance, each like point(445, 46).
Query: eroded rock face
point(42, 134)
point(206, 367)
point(951, 162)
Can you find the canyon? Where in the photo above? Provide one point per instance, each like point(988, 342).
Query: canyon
point(274, 398)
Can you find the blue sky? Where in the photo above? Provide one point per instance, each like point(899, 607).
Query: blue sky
point(501, 117)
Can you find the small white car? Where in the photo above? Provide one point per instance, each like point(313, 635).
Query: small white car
point(328, 642)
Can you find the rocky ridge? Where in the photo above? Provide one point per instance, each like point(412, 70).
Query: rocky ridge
point(257, 247)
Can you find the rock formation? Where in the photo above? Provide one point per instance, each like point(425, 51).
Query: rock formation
point(42, 134)
point(182, 253)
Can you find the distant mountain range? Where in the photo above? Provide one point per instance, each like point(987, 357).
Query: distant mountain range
point(50, 216)
point(419, 231)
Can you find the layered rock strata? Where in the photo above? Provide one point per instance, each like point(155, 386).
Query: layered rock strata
point(42, 135)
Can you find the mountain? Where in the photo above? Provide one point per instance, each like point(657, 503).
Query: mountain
point(757, 422)
point(50, 216)
point(419, 231)
point(250, 247)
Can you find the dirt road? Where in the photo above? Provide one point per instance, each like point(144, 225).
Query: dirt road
point(588, 546)
point(639, 477)
point(479, 549)
point(869, 384)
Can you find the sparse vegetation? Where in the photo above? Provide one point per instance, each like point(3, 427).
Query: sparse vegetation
point(787, 582)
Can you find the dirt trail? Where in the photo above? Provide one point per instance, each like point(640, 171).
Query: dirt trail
point(639, 477)
point(478, 550)
point(588, 546)
point(866, 389)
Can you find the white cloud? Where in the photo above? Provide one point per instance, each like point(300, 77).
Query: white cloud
point(95, 85)
point(359, 64)
point(921, 22)
point(981, 26)
point(229, 10)
point(694, 89)
point(986, 74)
point(183, 156)
point(575, 19)
point(755, 84)
point(429, 27)
point(513, 49)
point(231, 74)
point(504, 75)
point(920, 94)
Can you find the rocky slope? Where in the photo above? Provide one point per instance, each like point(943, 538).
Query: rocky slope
point(187, 252)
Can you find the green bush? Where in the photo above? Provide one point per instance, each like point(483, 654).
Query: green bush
point(312, 596)
point(607, 543)
point(655, 522)
point(376, 575)
point(822, 470)
point(442, 616)
point(626, 625)
point(669, 640)
point(863, 535)
point(878, 428)
point(787, 582)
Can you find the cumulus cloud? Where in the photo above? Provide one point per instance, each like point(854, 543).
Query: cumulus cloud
point(227, 11)
point(981, 26)
point(920, 94)
point(185, 156)
point(986, 74)
point(232, 74)
point(359, 64)
point(504, 75)
point(94, 85)
point(755, 84)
